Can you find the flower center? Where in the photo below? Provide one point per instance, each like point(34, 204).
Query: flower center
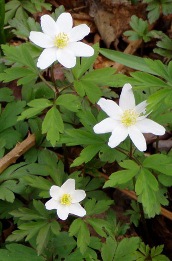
point(61, 40)
point(66, 199)
point(129, 117)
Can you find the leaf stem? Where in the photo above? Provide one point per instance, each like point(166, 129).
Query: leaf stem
point(143, 220)
point(66, 162)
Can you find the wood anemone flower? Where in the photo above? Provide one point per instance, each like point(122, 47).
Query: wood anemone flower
point(66, 200)
point(126, 119)
point(61, 41)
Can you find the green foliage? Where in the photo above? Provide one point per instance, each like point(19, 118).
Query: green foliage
point(20, 8)
point(80, 229)
point(164, 44)
point(153, 254)
point(146, 187)
point(123, 176)
point(140, 29)
point(23, 27)
point(41, 226)
point(155, 7)
point(123, 250)
point(63, 116)
point(19, 252)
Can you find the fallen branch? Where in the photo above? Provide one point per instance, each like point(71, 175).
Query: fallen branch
point(18, 151)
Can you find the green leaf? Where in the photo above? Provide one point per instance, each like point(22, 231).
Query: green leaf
point(10, 112)
point(38, 105)
point(94, 208)
point(43, 238)
point(159, 162)
point(126, 249)
point(123, 176)
point(55, 227)
point(99, 76)
point(23, 27)
point(81, 137)
point(79, 228)
point(108, 249)
point(19, 252)
point(5, 95)
point(20, 55)
point(63, 244)
point(86, 63)
point(102, 227)
point(7, 207)
point(52, 125)
point(86, 154)
point(37, 182)
point(25, 75)
point(89, 88)
point(6, 190)
point(146, 187)
point(128, 60)
point(11, 137)
point(69, 101)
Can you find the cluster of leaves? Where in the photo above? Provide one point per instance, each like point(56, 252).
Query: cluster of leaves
point(141, 31)
point(67, 117)
point(156, 7)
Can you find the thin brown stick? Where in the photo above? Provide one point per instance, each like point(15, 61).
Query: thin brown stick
point(15, 153)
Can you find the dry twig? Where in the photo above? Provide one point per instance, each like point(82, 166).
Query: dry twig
point(18, 151)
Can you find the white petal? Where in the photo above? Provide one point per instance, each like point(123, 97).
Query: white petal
point(62, 213)
point(137, 138)
point(55, 191)
point(66, 58)
point(111, 108)
point(65, 22)
point(77, 33)
point(150, 126)
point(105, 126)
point(51, 204)
point(78, 195)
point(141, 107)
point(47, 57)
point(119, 134)
point(41, 39)
point(49, 26)
point(77, 209)
point(80, 49)
point(68, 186)
point(127, 100)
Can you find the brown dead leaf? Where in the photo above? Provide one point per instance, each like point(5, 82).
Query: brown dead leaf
point(103, 22)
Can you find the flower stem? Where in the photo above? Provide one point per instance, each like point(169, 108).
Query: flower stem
point(54, 81)
point(47, 83)
point(157, 144)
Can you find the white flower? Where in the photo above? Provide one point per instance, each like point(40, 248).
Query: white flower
point(61, 41)
point(126, 119)
point(66, 200)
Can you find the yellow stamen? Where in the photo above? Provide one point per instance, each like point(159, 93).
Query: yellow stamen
point(61, 40)
point(129, 117)
point(66, 199)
